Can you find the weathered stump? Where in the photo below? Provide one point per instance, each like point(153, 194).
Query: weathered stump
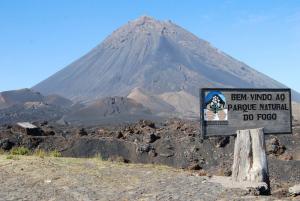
point(250, 159)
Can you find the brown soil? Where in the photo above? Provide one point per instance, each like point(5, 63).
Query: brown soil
point(65, 179)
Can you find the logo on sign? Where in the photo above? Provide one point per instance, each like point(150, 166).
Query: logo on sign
point(215, 103)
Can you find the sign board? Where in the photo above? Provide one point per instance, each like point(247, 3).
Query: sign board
point(223, 111)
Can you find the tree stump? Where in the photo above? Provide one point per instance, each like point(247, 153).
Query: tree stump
point(250, 159)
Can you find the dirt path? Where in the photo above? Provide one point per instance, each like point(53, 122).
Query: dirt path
point(33, 178)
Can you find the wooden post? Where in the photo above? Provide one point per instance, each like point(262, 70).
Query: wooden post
point(250, 159)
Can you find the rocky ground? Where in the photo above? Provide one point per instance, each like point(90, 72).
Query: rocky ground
point(35, 178)
point(174, 143)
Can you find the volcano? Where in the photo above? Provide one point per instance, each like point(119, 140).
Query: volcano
point(157, 63)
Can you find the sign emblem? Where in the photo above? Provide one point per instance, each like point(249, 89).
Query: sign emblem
point(215, 103)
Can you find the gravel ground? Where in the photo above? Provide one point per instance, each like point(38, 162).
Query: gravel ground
point(35, 178)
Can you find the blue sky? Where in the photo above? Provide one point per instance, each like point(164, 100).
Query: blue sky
point(38, 38)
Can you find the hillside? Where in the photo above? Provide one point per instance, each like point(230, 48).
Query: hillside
point(157, 57)
point(110, 110)
point(28, 105)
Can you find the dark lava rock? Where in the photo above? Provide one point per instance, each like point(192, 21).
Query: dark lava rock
point(27, 129)
point(82, 132)
point(194, 166)
point(274, 147)
point(8, 126)
point(144, 148)
point(44, 123)
point(150, 138)
point(6, 144)
point(177, 125)
point(130, 130)
point(227, 172)
point(152, 153)
point(119, 135)
point(49, 132)
point(31, 142)
point(147, 123)
point(222, 141)
point(257, 191)
point(118, 159)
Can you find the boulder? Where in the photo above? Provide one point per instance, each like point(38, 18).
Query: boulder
point(119, 135)
point(274, 147)
point(27, 129)
point(222, 141)
point(147, 123)
point(295, 190)
point(143, 148)
point(6, 144)
point(150, 138)
point(194, 166)
point(82, 132)
point(49, 132)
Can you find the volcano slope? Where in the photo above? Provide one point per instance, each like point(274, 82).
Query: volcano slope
point(165, 62)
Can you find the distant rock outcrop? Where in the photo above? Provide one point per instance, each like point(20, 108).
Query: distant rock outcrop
point(151, 101)
point(58, 100)
point(110, 110)
point(9, 98)
point(28, 105)
point(177, 104)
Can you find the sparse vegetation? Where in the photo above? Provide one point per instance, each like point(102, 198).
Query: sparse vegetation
point(11, 157)
point(2, 152)
point(26, 152)
point(55, 153)
point(98, 156)
point(40, 153)
point(202, 173)
point(20, 151)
